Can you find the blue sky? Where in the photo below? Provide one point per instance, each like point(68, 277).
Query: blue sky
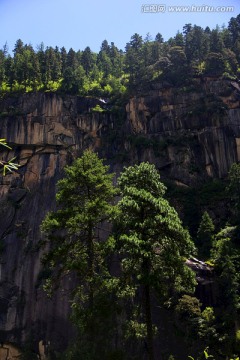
point(77, 23)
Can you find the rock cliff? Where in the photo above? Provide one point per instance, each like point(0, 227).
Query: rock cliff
point(194, 131)
point(191, 134)
point(46, 132)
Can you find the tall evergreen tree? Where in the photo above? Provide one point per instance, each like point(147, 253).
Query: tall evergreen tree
point(233, 190)
point(74, 80)
point(116, 57)
point(52, 65)
point(71, 60)
point(2, 67)
point(18, 48)
point(10, 71)
point(216, 41)
point(104, 63)
point(88, 60)
point(196, 43)
point(234, 28)
point(41, 59)
point(63, 59)
point(179, 39)
point(215, 64)
point(153, 244)
point(159, 38)
point(205, 235)
point(226, 257)
point(134, 62)
point(105, 47)
point(84, 199)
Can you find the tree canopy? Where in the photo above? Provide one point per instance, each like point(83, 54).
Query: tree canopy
point(112, 71)
point(153, 245)
point(150, 241)
point(84, 199)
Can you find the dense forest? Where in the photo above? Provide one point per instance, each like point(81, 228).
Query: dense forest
point(112, 72)
point(141, 264)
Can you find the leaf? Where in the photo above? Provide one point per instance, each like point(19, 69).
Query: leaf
point(4, 143)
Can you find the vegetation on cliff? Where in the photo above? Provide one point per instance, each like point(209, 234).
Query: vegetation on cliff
point(149, 241)
point(138, 269)
point(84, 200)
point(138, 266)
point(111, 72)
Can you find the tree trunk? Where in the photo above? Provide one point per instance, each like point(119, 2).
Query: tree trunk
point(90, 264)
point(148, 315)
point(147, 308)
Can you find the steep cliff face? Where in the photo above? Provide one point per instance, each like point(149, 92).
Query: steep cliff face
point(47, 131)
point(191, 134)
point(193, 131)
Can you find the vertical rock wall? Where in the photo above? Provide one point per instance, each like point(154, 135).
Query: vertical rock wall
point(191, 136)
point(46, 132)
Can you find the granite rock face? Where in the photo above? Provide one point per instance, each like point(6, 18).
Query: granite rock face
point(46, 132)
point(191, 134)
point(194, 130)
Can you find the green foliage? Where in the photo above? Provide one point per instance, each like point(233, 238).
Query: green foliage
point(207, 355)
point(212, 192)
point(214, 64)
point(113, 72)
point(233, 191)
point(4, 143)
point(193, 199)
point(208, 314)
point(204, 235)
point(188, 307)
point(97, 108)
point(84, 201)
point(42, 276)
point(152, 242)
point(238, 336)
point(187, 311)
point(226, 256)
point(199, 328)
point(83, 197)
point(9, 165)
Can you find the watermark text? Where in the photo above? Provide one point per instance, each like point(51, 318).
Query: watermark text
point(162, 8)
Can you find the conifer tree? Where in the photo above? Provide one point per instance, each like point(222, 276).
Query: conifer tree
point(204, 235)
point(153, 245)
point(233, 190)
point(84, 201)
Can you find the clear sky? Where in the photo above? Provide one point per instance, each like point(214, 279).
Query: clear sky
point(77, 23)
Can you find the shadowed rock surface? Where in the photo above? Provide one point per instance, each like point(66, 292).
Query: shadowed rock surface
point(190, 134)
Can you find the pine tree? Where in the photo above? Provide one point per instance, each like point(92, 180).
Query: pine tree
point(10, 71)
point(153, 244)
point(226, 257)
point(204, 235)
point(88, 60)
point(63, 59)
point(2, 67)
point(134, 62)
point(84, 202)
point(233, 190)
